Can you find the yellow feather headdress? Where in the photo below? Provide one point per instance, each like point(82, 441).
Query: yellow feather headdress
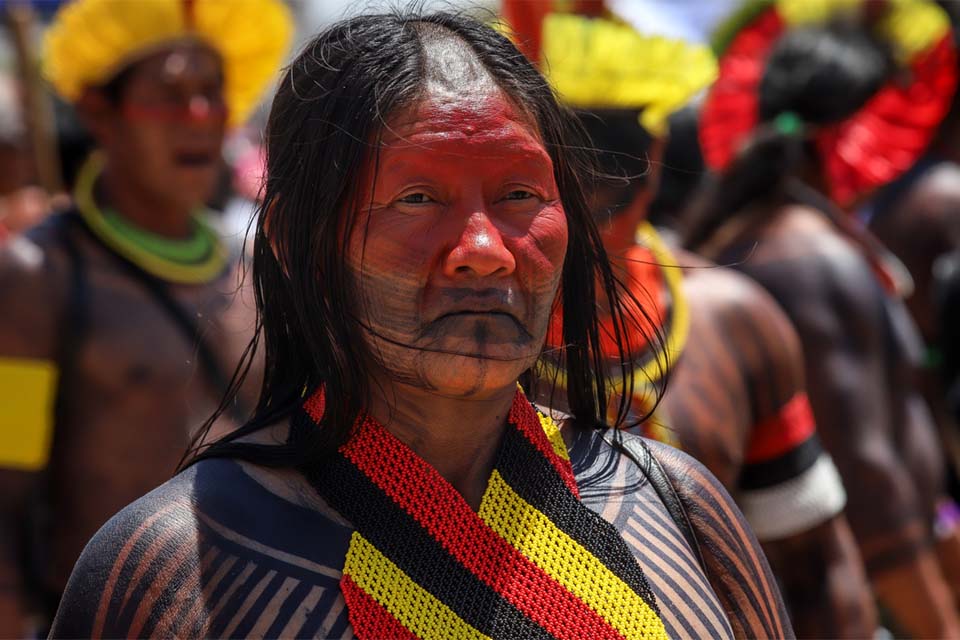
point(603, 63)
point(91, 40)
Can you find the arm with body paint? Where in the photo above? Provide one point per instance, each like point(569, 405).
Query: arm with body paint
point(27, 390)
point(112, 592)
point(836, 305)
point(789, 488)
point(734, 562)
point(213, 553)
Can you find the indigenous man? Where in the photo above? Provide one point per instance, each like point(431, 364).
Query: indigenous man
point(119, 330)
point(736, 398)
point(422, 218)
point(799, 111)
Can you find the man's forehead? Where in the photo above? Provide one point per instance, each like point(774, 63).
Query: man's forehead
point(180, 59)
point(476, 116)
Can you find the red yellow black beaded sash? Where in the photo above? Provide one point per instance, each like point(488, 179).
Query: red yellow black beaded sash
point(534, 562)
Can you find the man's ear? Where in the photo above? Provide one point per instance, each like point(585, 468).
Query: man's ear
point(97, 113)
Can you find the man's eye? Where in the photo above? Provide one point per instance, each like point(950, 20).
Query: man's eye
point(415, 198)
point(519, 194)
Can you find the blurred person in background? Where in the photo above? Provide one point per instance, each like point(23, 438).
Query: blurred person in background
point(917, 217)
point(815, 108)
point(726, 354)
point(122, 316)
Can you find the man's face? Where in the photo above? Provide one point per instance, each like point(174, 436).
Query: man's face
point(458, 260)
point(166, 130)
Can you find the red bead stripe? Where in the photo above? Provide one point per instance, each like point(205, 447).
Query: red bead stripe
point(367, 616)
point(527, 422)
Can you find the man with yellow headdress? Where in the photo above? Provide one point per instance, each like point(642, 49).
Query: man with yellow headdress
point(122, 324)
point(736, 399)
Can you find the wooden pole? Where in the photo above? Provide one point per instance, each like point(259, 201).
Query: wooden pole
point(38, 115)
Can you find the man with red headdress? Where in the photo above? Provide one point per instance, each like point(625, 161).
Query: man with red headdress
point(816, 106)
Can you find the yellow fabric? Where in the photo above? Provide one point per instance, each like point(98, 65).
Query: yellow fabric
point(412, 605)
point(566, 561)
point(91, 40)
point(27, 392)
point(600, 63)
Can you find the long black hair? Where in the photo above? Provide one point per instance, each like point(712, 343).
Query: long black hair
point(324, 127)
point(818, 75)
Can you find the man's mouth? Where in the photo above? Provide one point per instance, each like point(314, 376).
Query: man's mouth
point(479, 313)
point(495, 325)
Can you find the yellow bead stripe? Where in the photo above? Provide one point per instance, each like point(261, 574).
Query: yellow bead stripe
point(552, 429)
point(413, 606)
point(27, 393)
point(567, 562)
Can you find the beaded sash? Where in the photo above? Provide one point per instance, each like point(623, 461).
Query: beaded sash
point(534, 562)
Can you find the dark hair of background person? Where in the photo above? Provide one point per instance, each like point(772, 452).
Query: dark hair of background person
point(820, 74)
point(621, 145)
point(326, 122)
point(74, 142)
point(682, 171)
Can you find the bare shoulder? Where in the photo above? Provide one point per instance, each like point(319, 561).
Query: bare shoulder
point(730, 593)
point(751, 323)
point(735, 563)
point(814, 272)
point(211, 552)
point(722, 288)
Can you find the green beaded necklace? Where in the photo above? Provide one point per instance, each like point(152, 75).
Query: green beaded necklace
point(198, 259)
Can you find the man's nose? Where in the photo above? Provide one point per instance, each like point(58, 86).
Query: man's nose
point(479, 250)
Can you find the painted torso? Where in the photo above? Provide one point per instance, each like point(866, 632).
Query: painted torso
point(249, 563)
point(137, 393)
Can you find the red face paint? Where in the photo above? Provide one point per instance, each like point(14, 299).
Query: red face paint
point(459, 257)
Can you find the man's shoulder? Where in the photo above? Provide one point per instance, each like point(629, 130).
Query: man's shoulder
point(718, 292)
point(110, 573)
point(621, 464)
point(209, 536)
point(805, 267)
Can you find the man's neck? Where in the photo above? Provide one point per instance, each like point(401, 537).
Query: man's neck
point(619, 236)
point(457, 437)
point(142, 209)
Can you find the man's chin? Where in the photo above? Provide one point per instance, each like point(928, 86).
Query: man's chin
point(474, 375)
point(192, 187)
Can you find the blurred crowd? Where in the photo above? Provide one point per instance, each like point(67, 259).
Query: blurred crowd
point(778, 183)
